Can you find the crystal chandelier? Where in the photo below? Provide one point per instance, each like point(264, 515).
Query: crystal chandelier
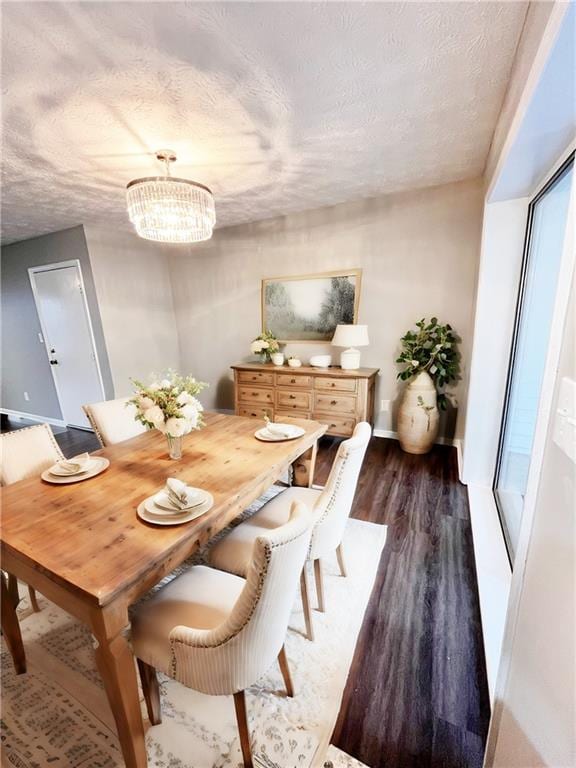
point(170, 210)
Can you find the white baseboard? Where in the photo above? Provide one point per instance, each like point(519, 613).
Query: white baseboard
point(33, 417)
point(493, 573)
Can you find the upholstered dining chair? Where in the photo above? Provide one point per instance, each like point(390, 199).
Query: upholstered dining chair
point(331, 508)
point(26, 453)
point(219, 633)
point(113, 421)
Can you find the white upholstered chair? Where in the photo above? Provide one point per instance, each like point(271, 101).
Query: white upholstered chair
point(26, 453)
point(219, 633)
point(331, 508)
point(113, 421)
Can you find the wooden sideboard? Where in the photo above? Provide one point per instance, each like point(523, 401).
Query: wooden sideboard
point(331, 396)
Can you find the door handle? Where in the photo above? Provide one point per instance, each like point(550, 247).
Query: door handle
point(53, 362)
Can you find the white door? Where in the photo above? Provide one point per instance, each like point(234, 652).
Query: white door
point(63, 312)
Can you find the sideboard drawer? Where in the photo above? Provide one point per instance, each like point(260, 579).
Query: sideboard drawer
point(337, 425)
point(293, 400)
point(255, 377)
point(279, 415)
point(339, 385)
point(255, 395)
point(332, 402)
point(256, 411)
point(286, 380)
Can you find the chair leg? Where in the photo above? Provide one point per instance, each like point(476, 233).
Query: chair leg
point(341, 560)
point(319, 584)
point(151, 691)
point(285, 669)
point(33, 600)
point(242, 719)
point(305, 591)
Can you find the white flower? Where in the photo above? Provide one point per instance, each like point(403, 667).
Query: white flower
point(165, 384)
point(154, 386)
point(191, 413)
point(264, 344)
point(415, 363)
point(145, 402)
point(184, 398)
point(154, 415)
point(256, 346)
point(177, 427)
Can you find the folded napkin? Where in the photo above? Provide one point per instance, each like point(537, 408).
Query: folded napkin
point(281, 430)
point(75, 464)
point(179, 494)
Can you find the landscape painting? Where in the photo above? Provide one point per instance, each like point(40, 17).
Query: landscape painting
point(309, 307)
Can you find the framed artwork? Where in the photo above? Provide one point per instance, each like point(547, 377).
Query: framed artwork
point(309, 307)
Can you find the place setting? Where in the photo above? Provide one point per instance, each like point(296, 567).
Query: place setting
point(277, 433)
point(175, 504)
point(76, 469)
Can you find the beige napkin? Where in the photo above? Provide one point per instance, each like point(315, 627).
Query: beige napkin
point(179, 494)
point(281, 430)
point(75, 464)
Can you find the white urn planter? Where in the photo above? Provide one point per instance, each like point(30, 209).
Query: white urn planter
point(418, 415)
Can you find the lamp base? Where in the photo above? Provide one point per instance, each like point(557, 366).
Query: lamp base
point(350, 359)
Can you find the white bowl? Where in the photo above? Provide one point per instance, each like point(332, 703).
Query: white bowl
point(294, 363)
point(321, 361)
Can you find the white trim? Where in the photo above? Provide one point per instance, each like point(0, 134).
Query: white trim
point(545, 47)
point(493, 574)
point(32, 271)
point(559, 320)
point(33, 417)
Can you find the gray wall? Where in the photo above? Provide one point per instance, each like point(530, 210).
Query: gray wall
point(25, 364)
point(419, 255)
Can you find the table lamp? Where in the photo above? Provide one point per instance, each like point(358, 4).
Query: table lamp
point(350, 336)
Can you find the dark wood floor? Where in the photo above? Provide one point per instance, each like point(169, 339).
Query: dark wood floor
point(71, 441)
point(417, 694)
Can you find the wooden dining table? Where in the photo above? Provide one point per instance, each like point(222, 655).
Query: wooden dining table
point(83, 546)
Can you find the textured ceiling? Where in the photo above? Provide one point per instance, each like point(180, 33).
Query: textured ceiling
point(278, 107)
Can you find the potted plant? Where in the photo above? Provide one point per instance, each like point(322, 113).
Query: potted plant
point(265, 345)
point(431, 361)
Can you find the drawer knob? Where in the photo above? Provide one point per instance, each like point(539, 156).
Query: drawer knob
point(334, 402)
point(332, 384)
point(292, 397)
point(292, 381)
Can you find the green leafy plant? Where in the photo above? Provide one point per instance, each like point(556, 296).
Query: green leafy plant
point(432, 348)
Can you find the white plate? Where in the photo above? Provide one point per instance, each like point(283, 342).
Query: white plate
point(161, 499)
point(59, 472)
point(266, 437)
point(98, 466)
point(184, 517)
point(155, 508)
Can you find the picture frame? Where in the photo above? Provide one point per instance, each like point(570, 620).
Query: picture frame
point(307, 308)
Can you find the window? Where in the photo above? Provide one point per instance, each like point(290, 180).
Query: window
point(547, 221)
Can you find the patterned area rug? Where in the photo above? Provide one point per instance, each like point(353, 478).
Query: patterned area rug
point(57, 716)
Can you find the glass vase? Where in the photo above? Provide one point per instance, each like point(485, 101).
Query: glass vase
point(264, 357)
point(174, 447)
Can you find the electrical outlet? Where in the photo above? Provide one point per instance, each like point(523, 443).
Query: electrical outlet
point(26, 396)
point(384, 405)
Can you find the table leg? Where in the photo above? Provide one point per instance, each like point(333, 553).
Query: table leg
point(11, 629)
point(304, 467)
point(117, 668)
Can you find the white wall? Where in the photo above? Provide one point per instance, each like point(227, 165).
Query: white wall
point(134, 292)
point(537, 702)
point(418, 252)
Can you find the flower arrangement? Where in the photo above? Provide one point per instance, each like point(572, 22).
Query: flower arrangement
point(432, 348)
point(170, 406)
point(265, 345)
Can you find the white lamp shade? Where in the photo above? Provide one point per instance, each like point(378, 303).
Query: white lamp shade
point(351, 336)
